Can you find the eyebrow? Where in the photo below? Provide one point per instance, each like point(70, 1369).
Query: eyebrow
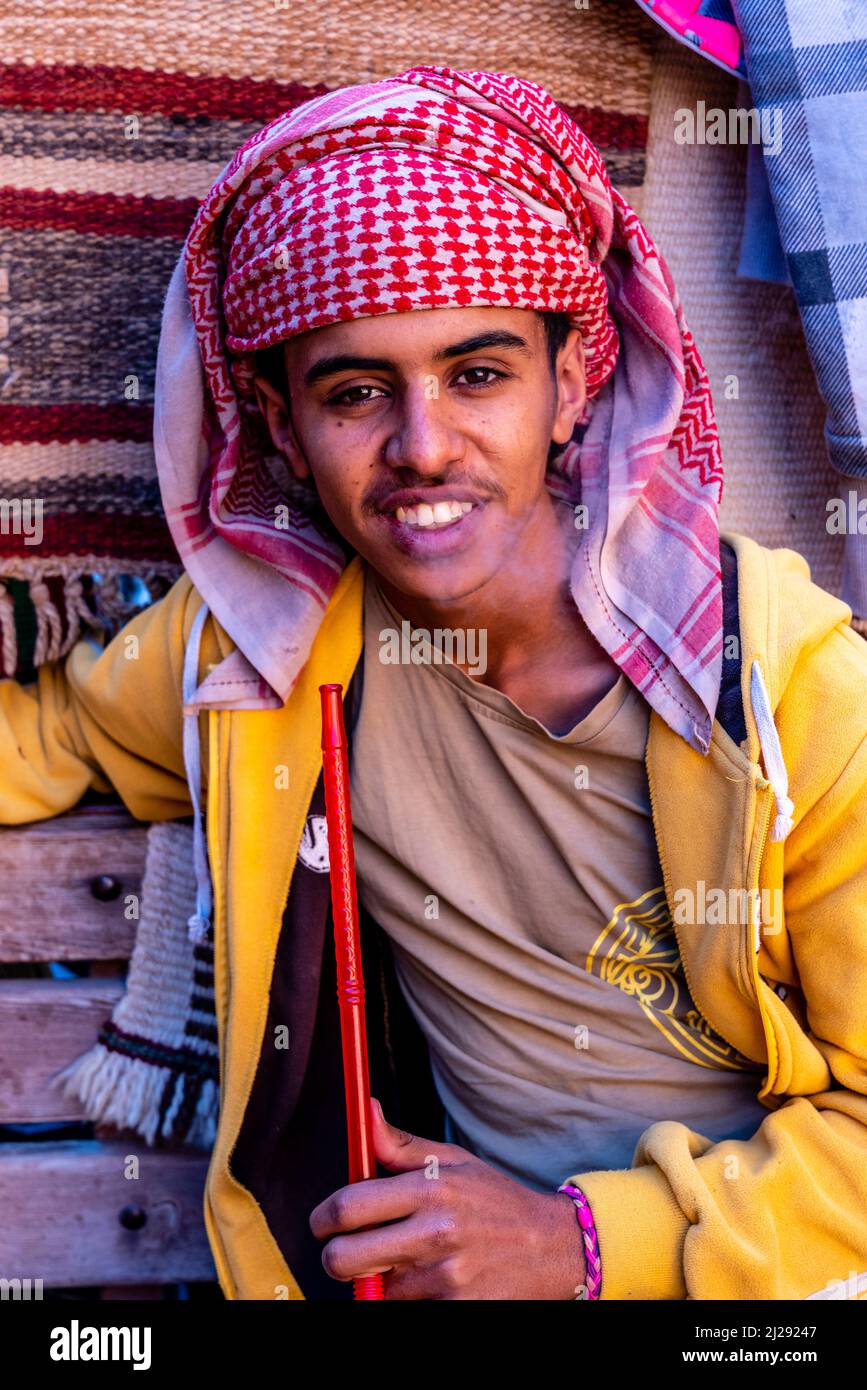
point(344, 362)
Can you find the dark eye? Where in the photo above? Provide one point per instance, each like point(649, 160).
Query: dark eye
point(488, 372)
point(350, 396)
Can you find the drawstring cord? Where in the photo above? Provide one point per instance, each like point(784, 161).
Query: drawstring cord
point(772, 754)
point(199, 924)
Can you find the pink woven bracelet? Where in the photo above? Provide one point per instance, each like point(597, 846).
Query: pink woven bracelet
point(591, 1240)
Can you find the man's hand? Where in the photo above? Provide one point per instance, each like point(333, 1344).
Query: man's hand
point(459, 1228)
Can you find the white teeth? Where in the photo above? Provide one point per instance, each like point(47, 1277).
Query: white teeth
point(440, 514)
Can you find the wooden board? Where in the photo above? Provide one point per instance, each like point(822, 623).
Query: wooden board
point(48, 910)
point(61, 1202)
point(61, 1206)
point(44, 1024)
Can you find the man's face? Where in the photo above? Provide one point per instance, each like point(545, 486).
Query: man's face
point(445, 414)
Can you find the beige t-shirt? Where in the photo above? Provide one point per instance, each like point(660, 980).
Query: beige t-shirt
point(517, 877)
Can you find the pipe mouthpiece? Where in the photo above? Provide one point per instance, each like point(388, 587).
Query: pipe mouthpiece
point(333, 727)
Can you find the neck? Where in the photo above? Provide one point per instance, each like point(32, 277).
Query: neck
point(538, 650)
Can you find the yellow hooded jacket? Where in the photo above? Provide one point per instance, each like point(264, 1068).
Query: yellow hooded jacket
point(782, 1215)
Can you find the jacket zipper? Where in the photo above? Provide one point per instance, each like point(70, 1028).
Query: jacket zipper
point(218, 905)
point(666, 876)
point(753, 973)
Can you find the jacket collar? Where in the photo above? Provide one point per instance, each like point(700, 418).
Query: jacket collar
point(234, 683)
point(725, 789)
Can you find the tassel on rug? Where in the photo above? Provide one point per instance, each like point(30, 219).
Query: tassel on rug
point(155, 1067)
point(46, 606)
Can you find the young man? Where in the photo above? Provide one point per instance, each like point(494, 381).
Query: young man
point(423, 377)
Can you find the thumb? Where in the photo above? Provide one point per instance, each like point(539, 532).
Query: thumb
point(403, 1152)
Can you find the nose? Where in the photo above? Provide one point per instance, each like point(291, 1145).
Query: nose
point(423, 439)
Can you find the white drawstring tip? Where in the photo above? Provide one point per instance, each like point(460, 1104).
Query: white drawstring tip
point(772, 753)
point(783, 821)
point(198, 928)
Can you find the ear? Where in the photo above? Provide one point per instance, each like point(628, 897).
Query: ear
point(276, 415)
point(571, 387)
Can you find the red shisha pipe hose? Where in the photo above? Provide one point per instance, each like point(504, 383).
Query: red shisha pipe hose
point(347, 946)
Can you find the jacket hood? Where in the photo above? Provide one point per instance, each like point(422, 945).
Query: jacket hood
point(783, 616)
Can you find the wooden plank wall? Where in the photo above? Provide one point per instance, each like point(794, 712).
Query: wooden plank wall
point(109, 1210)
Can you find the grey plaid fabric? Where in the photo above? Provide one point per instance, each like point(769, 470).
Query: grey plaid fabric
point(808, 58)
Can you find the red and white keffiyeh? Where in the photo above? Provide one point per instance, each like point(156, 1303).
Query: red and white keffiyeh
point(439, 189)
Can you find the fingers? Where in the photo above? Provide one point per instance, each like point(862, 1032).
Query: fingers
point(421, 1240)
point(382, 1223)
point(401, 1151)
point(369, 1203)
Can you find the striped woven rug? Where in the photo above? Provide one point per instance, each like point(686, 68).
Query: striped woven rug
point(115, 118)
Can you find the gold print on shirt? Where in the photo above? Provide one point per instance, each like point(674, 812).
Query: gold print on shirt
point(637, 951)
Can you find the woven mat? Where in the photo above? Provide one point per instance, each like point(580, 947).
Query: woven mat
point(116, 119)
point(777, 475)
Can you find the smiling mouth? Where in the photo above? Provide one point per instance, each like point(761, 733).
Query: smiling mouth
point(425, 517)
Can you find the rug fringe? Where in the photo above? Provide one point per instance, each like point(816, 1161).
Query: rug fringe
point(127, 1093)
point(116, 1090)
point(203, 1126)
point(60, 620)
point(8, 635)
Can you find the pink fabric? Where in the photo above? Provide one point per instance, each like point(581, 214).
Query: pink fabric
point(717, 38)
point(439, 189)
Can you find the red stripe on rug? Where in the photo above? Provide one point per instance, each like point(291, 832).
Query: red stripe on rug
point(609, 130)
point(105, 214)
point(86, 533)
point(52, 424)
point(76, 88)
point(57, 87)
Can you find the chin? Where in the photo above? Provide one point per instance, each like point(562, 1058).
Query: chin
point(447, 582)
point(438, 563)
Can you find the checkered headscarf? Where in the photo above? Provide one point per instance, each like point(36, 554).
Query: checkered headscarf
point(441, 189)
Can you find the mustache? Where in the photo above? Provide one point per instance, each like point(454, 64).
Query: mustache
point(386, 487)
